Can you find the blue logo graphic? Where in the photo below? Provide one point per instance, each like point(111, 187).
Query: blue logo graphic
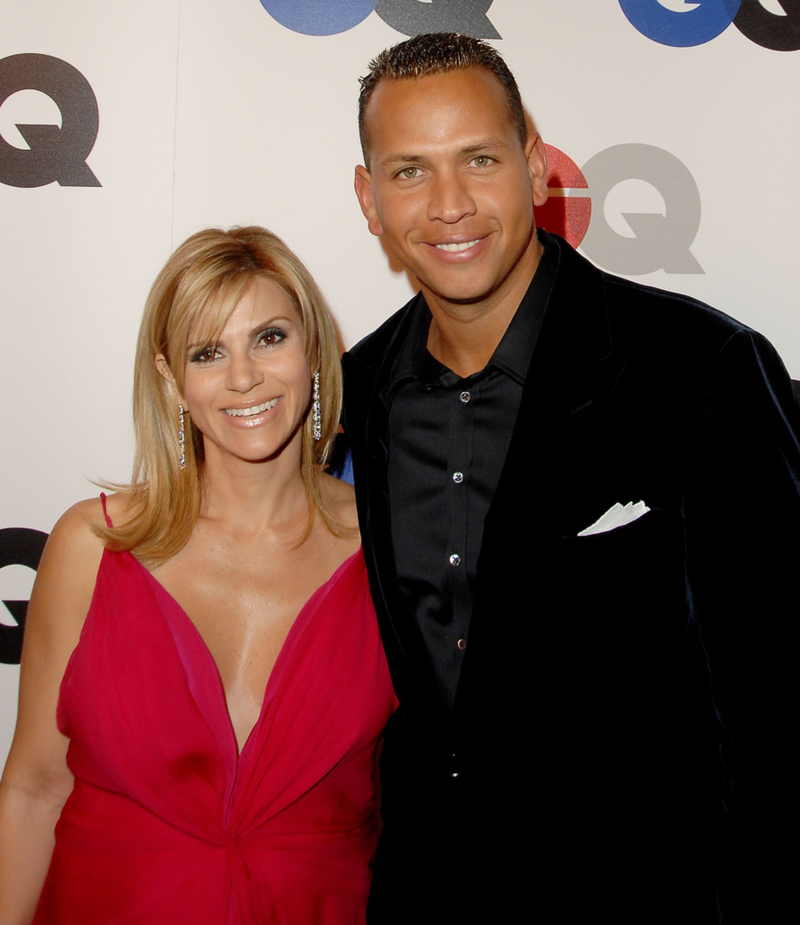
point(700, 22)
point(319, 17)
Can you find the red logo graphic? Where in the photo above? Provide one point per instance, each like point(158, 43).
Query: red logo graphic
point(568, 209)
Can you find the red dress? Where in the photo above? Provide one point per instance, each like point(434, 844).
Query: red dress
point(167, 823)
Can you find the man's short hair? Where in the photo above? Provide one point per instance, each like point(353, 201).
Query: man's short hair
point(437, 53)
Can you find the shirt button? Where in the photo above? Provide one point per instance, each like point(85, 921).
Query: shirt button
point(455, 559)
point(458, 477)
point(462, 644)
point(464, 396)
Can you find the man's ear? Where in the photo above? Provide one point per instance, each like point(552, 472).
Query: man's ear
point(536, 156)
point(363, 184)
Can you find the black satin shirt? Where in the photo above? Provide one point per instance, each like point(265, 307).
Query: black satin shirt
point(448, 440)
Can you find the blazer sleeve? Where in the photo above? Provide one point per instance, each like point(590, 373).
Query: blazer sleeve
point(742, 527)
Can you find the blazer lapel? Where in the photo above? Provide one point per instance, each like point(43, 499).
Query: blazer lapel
point(572, 377)
point(411, 668)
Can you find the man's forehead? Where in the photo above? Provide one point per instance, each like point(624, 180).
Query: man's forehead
point(465, 80)
point(421, 108)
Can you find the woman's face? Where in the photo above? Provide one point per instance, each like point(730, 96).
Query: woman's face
point(249, 392)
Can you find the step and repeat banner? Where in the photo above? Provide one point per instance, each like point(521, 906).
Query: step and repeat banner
point(124, 127)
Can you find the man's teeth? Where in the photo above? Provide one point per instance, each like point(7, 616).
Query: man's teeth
point(454, 248)
point(249, 412)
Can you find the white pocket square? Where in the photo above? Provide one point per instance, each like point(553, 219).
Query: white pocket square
point(616, 516)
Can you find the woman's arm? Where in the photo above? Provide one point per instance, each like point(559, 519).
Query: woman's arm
point(36, 781)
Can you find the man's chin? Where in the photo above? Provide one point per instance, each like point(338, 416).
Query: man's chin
point(456, 298)
point(469, 300)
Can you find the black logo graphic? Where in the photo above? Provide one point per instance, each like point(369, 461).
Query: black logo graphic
point(18, 546)
point(778, 33)
point(410, 17)
point(55, 153)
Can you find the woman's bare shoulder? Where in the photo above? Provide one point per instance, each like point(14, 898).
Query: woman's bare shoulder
point(78, 524)
point(118, 506)
point(74, 548)
point(76, 540)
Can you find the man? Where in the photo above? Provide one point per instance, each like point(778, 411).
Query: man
point(579, 506)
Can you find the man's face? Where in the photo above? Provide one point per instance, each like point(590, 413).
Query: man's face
point(451, 188)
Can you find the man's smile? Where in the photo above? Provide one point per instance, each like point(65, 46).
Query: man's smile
point(458, 246)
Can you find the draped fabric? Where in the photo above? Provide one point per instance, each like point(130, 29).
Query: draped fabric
point(167, 821)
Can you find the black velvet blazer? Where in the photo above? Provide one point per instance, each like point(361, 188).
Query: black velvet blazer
point(621, 737)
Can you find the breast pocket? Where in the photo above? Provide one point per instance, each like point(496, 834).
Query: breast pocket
point(627, 569)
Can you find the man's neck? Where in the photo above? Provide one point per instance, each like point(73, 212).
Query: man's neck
point(464, 337)
point(465, 342)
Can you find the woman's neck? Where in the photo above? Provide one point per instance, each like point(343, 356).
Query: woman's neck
point(267, 497)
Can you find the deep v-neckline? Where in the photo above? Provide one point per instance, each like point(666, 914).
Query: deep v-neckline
point(298, 624)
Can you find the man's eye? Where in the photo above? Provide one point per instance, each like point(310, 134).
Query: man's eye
point(409, 173)
point(482, 160)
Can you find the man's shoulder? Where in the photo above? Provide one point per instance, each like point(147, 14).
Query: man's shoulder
point(648, 304)
point(372, 349)
point(638, 313)
point(665, 305)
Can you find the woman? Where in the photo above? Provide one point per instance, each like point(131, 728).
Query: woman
point(203, 686)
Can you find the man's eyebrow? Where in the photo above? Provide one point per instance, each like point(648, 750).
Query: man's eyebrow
point(490, 144)
point(396, 160)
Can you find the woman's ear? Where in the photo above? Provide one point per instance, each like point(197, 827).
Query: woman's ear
point(163, 368)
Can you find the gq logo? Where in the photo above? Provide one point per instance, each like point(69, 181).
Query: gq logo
point(410, 17)
point(773, 24)
point(54, 152)
point(18, 546)
point(637, 242)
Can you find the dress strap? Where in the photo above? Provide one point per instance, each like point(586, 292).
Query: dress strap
point(105, 510)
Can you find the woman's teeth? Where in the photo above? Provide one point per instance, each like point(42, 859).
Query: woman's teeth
point(253, 409)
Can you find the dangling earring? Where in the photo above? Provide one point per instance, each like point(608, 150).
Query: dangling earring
point(316, 413)
point(181, 439)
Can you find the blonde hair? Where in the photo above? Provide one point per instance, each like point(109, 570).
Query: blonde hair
point(197, 291)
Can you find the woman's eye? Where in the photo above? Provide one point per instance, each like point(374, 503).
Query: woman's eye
point(205, 355)
point(271, 337)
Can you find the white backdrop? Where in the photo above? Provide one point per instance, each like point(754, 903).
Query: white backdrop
point(213, 112)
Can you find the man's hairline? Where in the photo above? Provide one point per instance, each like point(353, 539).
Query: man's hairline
point(472, 66)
